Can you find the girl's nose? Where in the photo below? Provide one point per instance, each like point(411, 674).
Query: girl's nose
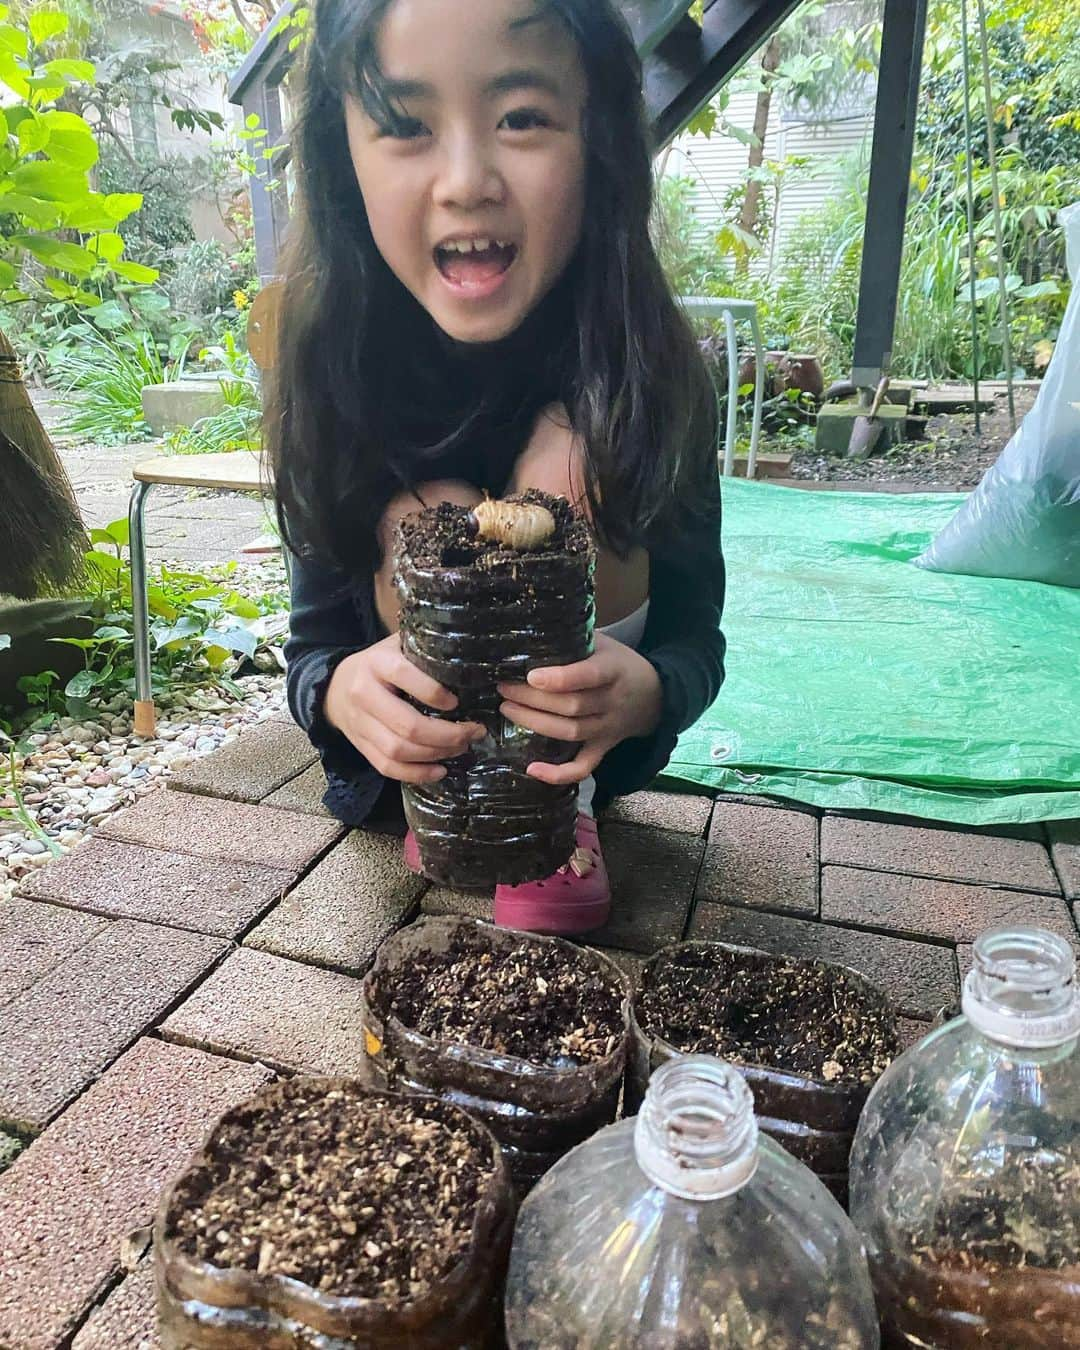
point(468, 175)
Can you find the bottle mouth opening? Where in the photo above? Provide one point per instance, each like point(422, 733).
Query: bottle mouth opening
point(1022, 988)
point(696, 1135)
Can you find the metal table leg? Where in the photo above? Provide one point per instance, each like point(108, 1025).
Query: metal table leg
point(759, 391)
point(733, 392)
point(145, 715)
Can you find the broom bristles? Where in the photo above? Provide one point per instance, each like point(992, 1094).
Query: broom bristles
point(42, 537)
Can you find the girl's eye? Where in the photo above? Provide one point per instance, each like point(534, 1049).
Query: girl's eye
point(525, 119)
point(404, 129)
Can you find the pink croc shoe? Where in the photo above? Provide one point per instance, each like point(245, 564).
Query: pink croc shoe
point(412, 854)
point(575, 900)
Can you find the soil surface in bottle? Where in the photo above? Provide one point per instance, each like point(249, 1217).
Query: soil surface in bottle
point(532, 1001)
point(354, 1196)
point(800, 1016)
point(1000, 1269)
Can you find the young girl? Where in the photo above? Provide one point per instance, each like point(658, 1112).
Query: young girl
point(472, 304)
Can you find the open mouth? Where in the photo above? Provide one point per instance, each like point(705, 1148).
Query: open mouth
point(474, 263)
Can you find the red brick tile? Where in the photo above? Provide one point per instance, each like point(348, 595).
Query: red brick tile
point(235, 831)
point(919, 977)
point(282, 1013)
point(95, 1176)
point(652, 885)
point(761, 857)
point(922, 907)
point(681, 811)
point(127, 881)
point(912, 1030)
point(442, 900)
point(127, 1320)
point(62, 1032)
point(345, 907)
point(258, 762)
point(1065, 847)
point(927, 851)
point(302, 793)
point(34, 939)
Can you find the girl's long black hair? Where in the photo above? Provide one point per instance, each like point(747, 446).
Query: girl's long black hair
point(345, 424)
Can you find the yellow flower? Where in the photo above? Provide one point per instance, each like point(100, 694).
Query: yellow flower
point(240, 299)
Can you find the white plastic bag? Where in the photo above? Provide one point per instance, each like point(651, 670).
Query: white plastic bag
point(1023, 520)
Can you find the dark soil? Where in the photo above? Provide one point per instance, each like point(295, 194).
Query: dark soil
point(952, 458)
point(532, 1001)
point(445, 536)
point(353, 1194)
point(1027, 1213)
point(799, 1016)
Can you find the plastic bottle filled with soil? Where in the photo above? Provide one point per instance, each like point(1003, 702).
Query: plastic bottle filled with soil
point(686, 1229)
point(965, 1175)
point(527, 1033)
point(322, 1214)
point(810, 1037)
point(487, 596)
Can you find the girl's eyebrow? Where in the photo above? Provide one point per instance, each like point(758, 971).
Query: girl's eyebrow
point(527, 77)
point(508, 83)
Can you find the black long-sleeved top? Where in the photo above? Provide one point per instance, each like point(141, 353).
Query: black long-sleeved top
point(682, 640)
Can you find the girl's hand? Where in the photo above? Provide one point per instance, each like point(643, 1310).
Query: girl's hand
point(363, 700)
point(601, 701)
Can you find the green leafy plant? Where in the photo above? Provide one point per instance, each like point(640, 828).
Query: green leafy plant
point(199, 627)
point(11, 751)
point(236, 426)
point(48, 211)
point(109, 375)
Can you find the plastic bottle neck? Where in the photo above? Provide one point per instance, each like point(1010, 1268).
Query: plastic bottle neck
point(1022, 989)
point(696, 1136)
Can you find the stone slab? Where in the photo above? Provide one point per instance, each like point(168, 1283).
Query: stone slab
point(911, 1030)
point(952, 855)
point(249, 768)
point(652, 873)
point(64, 1031)
point(34, 939)
point(302, 793)
point(106, 877)
point(919, 977)
point(95, 1176)
point(233, 831)
point(761, 857)
point(922, 907)
point(442, 900)
point(345, 907)
point(290, 1016)
point(1065, 847)
point(127, 1320)
point(682, 811)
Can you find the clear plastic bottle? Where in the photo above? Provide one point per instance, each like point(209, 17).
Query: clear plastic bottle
point(965, 1173)
point(683, 1229)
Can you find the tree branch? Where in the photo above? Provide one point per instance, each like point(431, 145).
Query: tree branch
point(243, 20)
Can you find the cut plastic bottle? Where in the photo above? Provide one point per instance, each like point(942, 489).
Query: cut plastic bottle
point(684, 1229)
point(965, 1173)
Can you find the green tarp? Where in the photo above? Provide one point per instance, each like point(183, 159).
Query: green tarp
point(857, 681)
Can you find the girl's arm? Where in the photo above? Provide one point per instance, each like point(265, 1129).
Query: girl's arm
point(326, 625)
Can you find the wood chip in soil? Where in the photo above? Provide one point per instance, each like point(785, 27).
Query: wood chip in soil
point(768, 1011)
point(532, 1001)
point(354, 1195)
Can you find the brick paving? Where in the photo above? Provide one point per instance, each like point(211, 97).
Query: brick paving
point(130, 1018)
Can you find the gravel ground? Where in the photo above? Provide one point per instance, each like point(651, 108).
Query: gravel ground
point(953, 457)
point(80, 772)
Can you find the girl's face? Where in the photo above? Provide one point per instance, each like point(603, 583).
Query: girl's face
point(475, 192)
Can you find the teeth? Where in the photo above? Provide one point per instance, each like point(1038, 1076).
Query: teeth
point(473, 245)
